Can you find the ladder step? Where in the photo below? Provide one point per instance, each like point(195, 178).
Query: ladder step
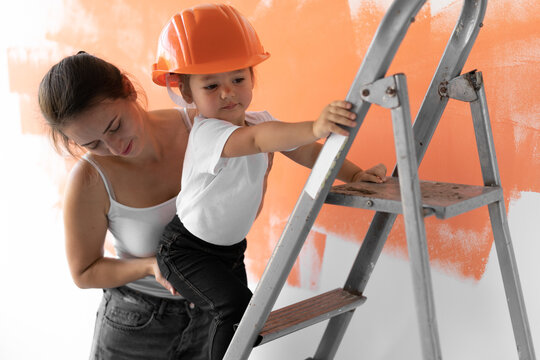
point(445, 200)
point(308, 312)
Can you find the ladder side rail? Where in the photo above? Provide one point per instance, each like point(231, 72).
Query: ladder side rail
point(500, 228)
point(414, 223)
point(427, 119)
point(375, 64)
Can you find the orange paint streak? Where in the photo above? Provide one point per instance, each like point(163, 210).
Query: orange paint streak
point(316, 49)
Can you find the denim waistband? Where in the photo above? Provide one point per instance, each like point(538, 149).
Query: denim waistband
point(149, 301)
point(176, 228)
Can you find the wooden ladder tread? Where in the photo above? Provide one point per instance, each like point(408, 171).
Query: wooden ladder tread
point(445, 200)
point(308, 312)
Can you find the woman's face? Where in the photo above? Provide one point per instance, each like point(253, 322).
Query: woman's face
point(112, 127)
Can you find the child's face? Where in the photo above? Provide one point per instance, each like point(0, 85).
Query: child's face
point(224, 96)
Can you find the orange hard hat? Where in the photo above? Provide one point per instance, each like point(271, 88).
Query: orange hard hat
point(206, 39)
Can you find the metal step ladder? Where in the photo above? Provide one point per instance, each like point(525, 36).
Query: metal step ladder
point(404, 194)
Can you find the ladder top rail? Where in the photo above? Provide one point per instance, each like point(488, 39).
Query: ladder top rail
point(394, 26)
point(385, 43)
point(450, 66)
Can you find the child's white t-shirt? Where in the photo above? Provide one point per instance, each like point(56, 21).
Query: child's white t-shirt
point(220, 197)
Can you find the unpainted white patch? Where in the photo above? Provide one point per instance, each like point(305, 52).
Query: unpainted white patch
point(261, 10)
point(357, 6)
point(464, 239)
point(310, 265)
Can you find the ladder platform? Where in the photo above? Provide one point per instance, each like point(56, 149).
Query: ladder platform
point(445, 200)
point(297, 316)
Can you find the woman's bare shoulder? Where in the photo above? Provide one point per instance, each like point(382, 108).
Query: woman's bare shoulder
point(173, 118)
point(84, 182)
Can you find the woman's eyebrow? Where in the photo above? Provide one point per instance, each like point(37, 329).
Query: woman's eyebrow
point(106, 129)
point(109, 126)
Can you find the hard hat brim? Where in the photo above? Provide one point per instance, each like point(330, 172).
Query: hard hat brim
point(158, 76)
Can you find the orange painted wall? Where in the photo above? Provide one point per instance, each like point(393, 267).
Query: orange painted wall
point(316, 48)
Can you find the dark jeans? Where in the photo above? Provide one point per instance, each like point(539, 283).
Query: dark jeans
point(213, 277)
point(132, 325)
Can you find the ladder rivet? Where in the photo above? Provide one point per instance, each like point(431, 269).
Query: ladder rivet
point(369, 203)
point(443, 91)
point(391, 91)
point(365, 92)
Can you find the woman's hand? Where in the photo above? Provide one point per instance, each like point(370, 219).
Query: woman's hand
point(160, 279)
point(335, 114)
point(376, 174)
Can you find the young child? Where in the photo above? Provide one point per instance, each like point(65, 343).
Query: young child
point(209, 51)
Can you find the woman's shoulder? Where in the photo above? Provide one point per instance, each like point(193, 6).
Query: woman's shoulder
point(173, 119)
point(83, 173)
point(84, 181)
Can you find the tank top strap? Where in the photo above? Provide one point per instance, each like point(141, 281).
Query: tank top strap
point(185, 117)
point(108, 185)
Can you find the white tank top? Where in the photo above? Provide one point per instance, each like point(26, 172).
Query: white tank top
point(137, 231)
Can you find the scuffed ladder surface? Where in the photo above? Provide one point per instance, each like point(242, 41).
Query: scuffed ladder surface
point(308, 312)
point(445, 199)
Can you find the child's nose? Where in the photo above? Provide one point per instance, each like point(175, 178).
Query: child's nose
point(226, 91)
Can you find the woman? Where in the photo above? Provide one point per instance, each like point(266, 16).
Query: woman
point(127, 183)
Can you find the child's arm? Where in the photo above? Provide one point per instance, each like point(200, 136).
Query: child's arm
point(307, 155)
point(280, 136)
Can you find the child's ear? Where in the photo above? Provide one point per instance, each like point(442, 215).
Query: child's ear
point(185, 91)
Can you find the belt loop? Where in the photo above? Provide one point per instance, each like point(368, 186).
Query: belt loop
point(162, 306)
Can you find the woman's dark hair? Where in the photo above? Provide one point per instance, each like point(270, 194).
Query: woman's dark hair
point(74, 85)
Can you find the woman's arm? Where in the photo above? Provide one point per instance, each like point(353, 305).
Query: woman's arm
point(85, 207)
point(307, 155)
